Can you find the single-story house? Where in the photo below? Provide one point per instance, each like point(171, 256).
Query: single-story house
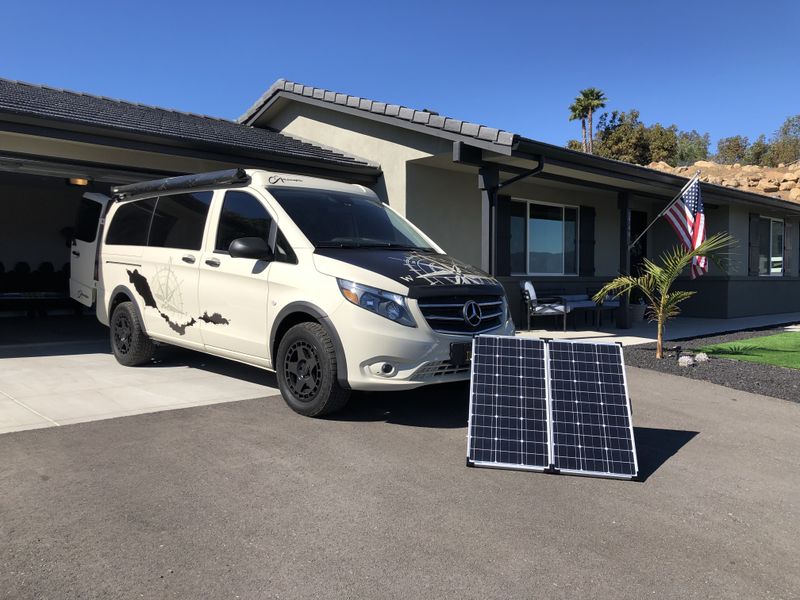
point(517, 207)
point(524, 209)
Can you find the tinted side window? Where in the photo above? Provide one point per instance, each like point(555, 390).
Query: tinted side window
point(242, 216)
point(130, 223)
point(87, 219)
point(179, 221)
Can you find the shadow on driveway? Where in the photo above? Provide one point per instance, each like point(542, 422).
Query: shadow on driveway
point(654, 447)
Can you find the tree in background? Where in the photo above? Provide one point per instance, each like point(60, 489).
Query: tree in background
point(691, 147)
point(592, 100)
point(621, 136)
point(757, 152)
point(579, 111)
point(785, 144)
point(732, 149)
point(662, 142)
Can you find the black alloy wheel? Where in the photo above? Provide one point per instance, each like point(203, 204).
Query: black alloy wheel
point(302, 370)
point(306, 366)
point(129, 341)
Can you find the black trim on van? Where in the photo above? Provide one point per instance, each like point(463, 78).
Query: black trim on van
point(125, 290)
point(323, 319)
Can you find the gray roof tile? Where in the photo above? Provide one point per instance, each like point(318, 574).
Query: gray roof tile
point(353, 101)
point(221, 135)
point(421, 116)
point(452, 125)
point(392, 110)
point(365, 104)
point(436, 121)
point(470, 129)
point(378, 107)
point(406, 113)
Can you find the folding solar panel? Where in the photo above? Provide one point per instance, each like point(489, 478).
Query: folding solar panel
point(591, 418)
point(544, 405)
point(508, 408)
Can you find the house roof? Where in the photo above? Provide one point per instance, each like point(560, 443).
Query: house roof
point(496, 140)
point(421, 117)
point(25, 102)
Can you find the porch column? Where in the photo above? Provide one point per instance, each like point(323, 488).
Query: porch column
point(488, 183)
point(623, 202)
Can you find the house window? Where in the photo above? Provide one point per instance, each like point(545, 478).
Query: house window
point(544, 238)
point(770, 249)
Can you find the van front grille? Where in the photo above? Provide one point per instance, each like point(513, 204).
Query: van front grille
point(462, 315)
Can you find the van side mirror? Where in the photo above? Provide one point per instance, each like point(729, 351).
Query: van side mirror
point(250, 247)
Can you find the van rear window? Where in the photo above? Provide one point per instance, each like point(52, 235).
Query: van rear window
point(130, 223)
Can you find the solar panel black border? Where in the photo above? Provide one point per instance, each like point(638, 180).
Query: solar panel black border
point(533, 452)
point(551, 467)
point(557, 460)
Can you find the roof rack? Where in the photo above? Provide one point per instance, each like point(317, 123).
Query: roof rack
point(183, 182)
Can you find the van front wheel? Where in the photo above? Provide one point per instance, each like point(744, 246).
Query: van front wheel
point(306, 369)
point(129, 342)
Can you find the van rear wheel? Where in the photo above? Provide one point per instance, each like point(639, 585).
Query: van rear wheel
point(129, 342)
point(306, 369)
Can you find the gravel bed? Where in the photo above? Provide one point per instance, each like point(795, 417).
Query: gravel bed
point(778, 382)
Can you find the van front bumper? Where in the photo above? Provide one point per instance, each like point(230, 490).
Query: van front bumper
point(382, 355)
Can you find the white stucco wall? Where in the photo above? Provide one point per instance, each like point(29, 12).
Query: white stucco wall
point(390, 146)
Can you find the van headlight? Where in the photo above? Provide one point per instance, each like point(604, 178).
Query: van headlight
point(386, 304)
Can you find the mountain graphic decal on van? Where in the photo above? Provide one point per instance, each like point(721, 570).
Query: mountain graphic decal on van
point(142, 287)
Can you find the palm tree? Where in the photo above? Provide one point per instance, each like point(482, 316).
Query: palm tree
point(577, 110)
point(655, 281)
point(591, 99)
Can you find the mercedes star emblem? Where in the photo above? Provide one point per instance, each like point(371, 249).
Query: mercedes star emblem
point(472, 313)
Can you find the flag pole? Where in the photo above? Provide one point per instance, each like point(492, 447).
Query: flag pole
point(694, 178)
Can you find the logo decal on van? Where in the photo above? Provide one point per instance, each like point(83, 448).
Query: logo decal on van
point(142, 287)
point(278, 179)
point(443, 271)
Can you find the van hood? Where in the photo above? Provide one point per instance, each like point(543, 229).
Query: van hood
point(421, 273)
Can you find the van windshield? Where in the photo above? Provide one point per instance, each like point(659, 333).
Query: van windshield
point(341, 220)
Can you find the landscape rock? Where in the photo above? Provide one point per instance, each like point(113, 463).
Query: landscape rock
point(794, 194)
point(787, 185)
point(730, 183)
point(704, 163)
point(701, 357)
point(791, 176)
point(767, 186)
point(685, 361)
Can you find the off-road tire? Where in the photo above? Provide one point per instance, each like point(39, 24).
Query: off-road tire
point(129, 342)
point(306, 370)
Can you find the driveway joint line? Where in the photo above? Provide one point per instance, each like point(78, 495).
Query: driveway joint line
point(26, 407)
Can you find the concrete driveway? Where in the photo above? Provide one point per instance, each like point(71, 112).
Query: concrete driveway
point(248, 500)
point(60, 370)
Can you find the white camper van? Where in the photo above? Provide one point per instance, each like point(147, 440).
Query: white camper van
point(317, 280)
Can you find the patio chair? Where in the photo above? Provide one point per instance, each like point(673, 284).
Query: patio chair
point(542, 307)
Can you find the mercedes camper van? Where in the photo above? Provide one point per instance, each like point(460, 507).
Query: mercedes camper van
point(316, 280)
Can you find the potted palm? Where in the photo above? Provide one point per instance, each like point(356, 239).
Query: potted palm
point(655, 281)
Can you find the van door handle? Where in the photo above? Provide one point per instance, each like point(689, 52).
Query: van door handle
point(212, 262)
point(75, 253)
point(188, 258)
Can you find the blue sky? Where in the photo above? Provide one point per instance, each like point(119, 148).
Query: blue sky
point(722, 67)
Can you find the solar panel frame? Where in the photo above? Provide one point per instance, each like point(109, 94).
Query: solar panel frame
point(527, 410)
point(549, 417)
point(556, 458)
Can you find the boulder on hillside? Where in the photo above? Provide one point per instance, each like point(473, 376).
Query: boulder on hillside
point(730, 183)
point(791, 176)
point(794, 195)
point(787, 185)
point(704, 163)
point(767, 187)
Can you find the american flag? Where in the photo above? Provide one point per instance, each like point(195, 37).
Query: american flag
point(689, 221)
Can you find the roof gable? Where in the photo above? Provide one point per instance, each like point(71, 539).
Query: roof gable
point(425, 118)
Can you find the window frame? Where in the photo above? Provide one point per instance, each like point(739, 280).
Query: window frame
point(563, 208)
point(782, 272)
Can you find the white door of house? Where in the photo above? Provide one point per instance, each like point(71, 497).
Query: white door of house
point(82, 282)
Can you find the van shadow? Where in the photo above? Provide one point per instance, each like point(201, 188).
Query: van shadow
point(173, 356)
point(654, 447)
point(443, 406)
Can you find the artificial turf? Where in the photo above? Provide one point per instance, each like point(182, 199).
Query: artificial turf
point(782, 350)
